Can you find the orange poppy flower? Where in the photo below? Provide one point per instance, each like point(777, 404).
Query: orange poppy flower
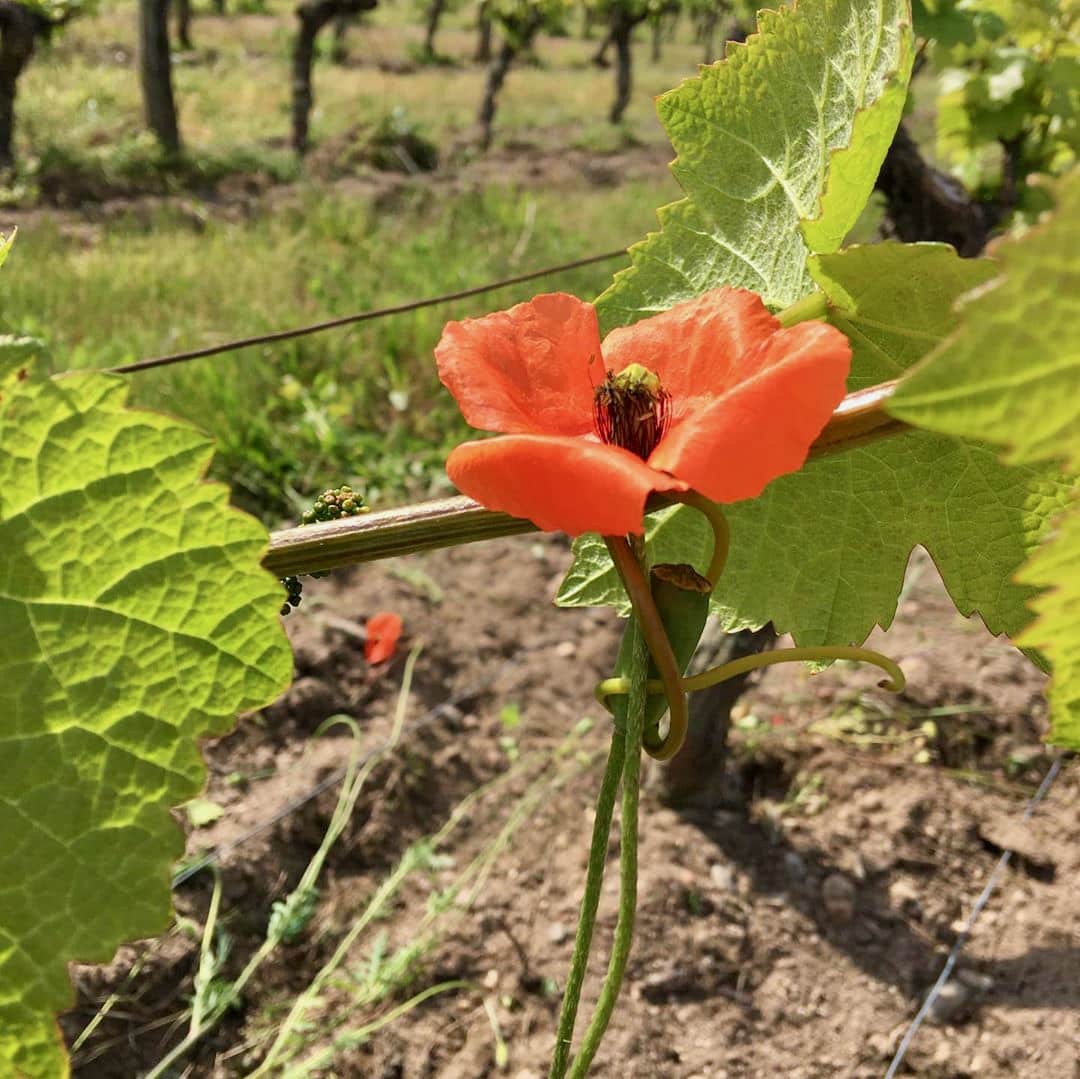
point(713, 395)
point(383, 634)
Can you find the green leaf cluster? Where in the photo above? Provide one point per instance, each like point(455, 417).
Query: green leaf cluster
point(822, 552)
point(952, 24)
point(1009, 104)
point(134, 618)
point(636, 11)
point(61, 11)
point(519, 20)
point(1011, 374)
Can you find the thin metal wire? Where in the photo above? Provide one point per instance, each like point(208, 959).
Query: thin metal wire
point(969, 923)
point(214, 856)
point(362, 316)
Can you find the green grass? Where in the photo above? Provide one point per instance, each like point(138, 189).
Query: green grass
point(361, 404)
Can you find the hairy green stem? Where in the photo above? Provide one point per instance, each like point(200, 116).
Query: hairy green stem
point(579, 962)
point(418, 856)
point(628, 844)
point(208, 961)
point(204, 1021)
point(455, 900)
point(362, 1034)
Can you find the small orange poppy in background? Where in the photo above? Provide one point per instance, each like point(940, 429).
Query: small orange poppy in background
point(713, 395)
point(383, 634)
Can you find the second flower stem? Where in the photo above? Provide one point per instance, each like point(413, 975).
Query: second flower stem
point(605, 806)
point(628, 844)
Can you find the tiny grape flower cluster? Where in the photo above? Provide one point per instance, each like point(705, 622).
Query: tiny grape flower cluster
point(333, 504)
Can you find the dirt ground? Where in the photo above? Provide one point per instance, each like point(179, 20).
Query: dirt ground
point(790, 932)
point(541, 160)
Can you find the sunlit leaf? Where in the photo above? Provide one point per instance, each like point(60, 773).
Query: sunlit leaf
point(778, 149)
point(134, 617)
point(1011, 374)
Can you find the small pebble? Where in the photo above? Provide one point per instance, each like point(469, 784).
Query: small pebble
point(979, 983)
point(878, 1046)
point(871, 801)
point(722, 876)
point(904, 896)
point(943, 1053)
point(794, 866)
point(838, 894)
point(951, 1005)
point(557, 932)
point(917, 673)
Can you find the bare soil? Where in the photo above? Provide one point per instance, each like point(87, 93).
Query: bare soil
point(791, 931)
point(341, 166)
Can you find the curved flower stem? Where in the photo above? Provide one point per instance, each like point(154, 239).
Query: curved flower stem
point(652, 629)
point(792, 655)
point(721, 533)
point(628, 843)
point(611, 687)
point(605, 805)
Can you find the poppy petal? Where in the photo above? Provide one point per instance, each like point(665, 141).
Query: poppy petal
point(525, 370)
point(570, 485)
point(762, 427)
point(383, 633)
point(697, 347)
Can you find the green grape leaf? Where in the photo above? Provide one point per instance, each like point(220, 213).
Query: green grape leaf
point(853, 169)
point(1055, 567)
point(134, 618)
point(822, 552)
point(1011, 374)
point(789, 130)
point(945, 22)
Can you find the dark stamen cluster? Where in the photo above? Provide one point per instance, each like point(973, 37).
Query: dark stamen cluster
point(631, 412)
